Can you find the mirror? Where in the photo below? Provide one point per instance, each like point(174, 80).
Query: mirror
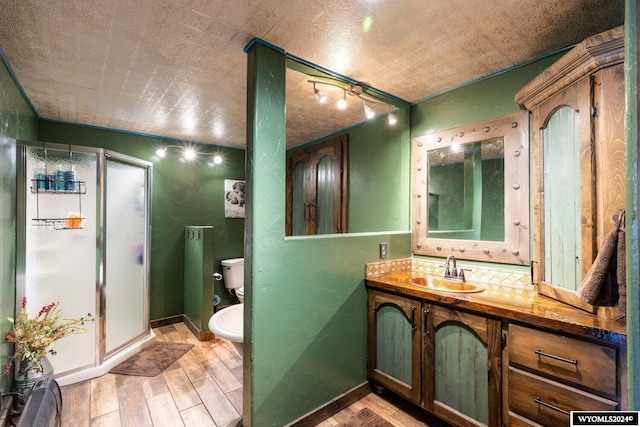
point(466, 200)
point(471, 191)
point(346, 173)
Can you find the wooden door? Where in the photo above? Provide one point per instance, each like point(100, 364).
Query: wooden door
point(394, 341)
point(464, 353)
point(317, 188)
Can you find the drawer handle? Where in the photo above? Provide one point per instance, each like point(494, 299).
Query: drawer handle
point(413, 318)
point(562, 359)
point(555, 408)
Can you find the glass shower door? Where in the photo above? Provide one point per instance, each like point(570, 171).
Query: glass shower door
point(125, 284)
point(60, 252)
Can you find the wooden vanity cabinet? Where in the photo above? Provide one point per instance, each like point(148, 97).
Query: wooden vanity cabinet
point(550, 375)
point(395, 343)
point(445, 360)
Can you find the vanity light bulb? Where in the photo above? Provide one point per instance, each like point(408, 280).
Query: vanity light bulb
point(217, 159)
point(161, 152)
point(342, 104)
point(392, 119)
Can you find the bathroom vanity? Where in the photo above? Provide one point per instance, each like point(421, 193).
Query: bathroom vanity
point(480, 359)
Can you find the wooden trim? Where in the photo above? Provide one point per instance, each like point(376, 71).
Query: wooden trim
point(166, 321)
point(332, 407)
point(514, 128)
point(201, 335)
point(593, 53)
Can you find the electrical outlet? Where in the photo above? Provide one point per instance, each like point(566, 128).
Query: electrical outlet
point(383, 250)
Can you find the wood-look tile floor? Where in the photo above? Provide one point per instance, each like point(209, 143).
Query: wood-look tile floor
point(203, 388)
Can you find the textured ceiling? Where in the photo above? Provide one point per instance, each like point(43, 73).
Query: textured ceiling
point(178, 69)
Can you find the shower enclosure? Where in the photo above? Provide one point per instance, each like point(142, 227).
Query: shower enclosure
point(83, 236)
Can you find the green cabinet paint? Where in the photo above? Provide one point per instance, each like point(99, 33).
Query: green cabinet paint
point(198, 276)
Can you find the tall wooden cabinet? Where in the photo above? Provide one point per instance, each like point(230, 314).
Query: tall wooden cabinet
point(577, 109)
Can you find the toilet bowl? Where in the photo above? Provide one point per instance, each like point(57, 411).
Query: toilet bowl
point(240, 294)
point(228, 324)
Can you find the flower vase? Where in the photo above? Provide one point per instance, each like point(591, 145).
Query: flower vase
point(27, 377)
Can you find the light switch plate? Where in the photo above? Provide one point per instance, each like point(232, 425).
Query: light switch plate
point(383, 250)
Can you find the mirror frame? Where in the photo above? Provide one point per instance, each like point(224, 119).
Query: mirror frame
point(514, 129)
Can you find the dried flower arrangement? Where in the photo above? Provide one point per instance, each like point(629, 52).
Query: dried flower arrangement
point(34, 337)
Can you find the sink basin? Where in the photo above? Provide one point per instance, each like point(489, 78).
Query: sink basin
point(445, 285)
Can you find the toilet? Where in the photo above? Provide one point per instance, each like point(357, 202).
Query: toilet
point(233, 274)
point(228, 322)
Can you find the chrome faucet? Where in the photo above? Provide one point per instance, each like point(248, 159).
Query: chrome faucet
point(448, 272)
point(453, 272)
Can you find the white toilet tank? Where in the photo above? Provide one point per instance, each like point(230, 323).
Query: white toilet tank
point(233, 273)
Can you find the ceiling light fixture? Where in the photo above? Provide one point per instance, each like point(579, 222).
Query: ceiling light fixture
point(391, 117)
point(342, 102)
point(354, 90)
point(189, 154)
point(321, 97)
point(368, 111)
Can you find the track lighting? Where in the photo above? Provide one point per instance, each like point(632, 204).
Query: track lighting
point(368, 111)
point(189, 154)
point(342, 102)
point(321, 97)
point(354, 90)
point(391, 117)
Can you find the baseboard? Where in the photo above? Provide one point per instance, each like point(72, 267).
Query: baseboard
point(201, 335)
point(332, 407)
point(166, 321)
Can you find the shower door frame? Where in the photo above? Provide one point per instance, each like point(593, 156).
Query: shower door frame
point(100, 205)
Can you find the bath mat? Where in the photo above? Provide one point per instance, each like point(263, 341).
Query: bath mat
point(365, 418)
point(152, 360)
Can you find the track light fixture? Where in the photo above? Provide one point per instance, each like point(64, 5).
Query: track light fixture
point(368, 111)
point(321, 97)
point(342, 102)
point(189, 154)
point(354, 90)
point(390, 116)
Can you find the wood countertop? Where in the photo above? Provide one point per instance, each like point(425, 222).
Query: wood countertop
point(542, 312)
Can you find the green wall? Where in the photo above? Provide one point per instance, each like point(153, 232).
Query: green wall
point(17, 121)
point(306, 306)
point(184, 194)
point(482, 100)
point(378, 177)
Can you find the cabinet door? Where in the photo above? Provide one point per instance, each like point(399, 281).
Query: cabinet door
point(464, 352)
point(394, 343)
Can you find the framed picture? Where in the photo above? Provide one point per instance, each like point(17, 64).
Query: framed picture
point(234, 198)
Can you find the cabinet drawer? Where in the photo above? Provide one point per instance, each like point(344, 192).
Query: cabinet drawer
point(590, 365)
point(544, 401)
